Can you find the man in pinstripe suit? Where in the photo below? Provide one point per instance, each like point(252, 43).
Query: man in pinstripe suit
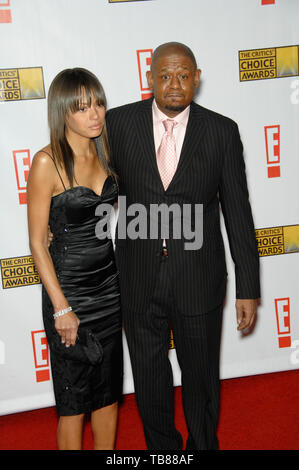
point(163, 285)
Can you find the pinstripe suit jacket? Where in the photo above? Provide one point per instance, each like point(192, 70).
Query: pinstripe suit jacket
point(211, 170)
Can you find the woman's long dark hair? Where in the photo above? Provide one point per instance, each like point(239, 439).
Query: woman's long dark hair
point(65, 95)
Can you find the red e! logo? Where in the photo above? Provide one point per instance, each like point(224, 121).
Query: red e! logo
point(5, 14)
point(272, 137)
point(282, 307)
point(144, 58)
point(22, 167)
point(41, 355)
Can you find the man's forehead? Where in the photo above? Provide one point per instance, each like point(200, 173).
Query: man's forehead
point(173, 60)
point(176, 66)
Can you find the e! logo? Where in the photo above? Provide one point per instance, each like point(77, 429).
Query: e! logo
point(41, 355)
point(22, 167)
point(144, 58)
point(5, 13)
point(272, 138)
point(282, 307)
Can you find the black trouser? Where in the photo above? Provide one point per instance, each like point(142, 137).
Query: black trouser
point(197, 343)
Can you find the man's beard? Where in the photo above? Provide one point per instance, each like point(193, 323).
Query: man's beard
point(175, 108)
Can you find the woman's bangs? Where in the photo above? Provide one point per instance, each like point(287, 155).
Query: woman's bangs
point(84, 95)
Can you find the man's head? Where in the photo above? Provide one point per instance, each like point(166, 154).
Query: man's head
point(173, 77)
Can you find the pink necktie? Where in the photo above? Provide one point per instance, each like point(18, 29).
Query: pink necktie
point(166, 155)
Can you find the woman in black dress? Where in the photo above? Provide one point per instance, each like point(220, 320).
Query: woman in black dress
point(68, 181)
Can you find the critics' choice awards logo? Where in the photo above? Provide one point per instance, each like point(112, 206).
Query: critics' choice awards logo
point(22, 84)
point(144, 59)
point(171, 341)
point(5, 12)
point(276, 62)
point(124, 1)
point(18, 272)
point(277, 240)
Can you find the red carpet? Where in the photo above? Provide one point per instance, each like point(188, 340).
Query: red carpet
point(257, 413)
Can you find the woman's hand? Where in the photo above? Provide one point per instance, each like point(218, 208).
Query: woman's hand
point(67, 328)
point(50, 236)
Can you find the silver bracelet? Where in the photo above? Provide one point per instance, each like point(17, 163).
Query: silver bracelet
point(62, 312)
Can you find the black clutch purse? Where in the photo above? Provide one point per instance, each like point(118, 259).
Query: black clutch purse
point(87, 348)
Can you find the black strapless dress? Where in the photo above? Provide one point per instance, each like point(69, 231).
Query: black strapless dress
point(87, 273)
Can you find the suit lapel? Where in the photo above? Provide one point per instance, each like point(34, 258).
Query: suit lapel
point(195, 130)
point(145, 133)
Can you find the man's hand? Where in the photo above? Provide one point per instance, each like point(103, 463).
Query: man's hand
point(246, 312)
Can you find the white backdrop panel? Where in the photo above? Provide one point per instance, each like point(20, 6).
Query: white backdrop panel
point(104, 37)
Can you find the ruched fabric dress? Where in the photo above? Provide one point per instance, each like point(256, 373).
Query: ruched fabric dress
point(87, 273)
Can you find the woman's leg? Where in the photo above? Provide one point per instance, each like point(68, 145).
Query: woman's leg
point(69, 432)
point(104, 424)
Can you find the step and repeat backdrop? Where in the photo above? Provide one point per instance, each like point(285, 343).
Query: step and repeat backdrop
point(248, 53)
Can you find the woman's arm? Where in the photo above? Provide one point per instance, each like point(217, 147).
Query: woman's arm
point(40, 187)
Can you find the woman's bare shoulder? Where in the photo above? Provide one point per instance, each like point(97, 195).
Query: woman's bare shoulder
point(44, 155)
point(42, 166)
point(43, 161)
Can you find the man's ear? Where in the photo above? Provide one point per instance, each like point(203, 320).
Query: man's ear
point(150, 80)
point(197, 77)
